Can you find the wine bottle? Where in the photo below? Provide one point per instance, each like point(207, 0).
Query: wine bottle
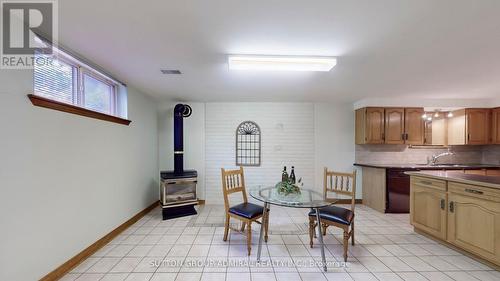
point(284, 175)
point(292, 175)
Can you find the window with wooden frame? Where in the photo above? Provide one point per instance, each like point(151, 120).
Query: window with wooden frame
point(67, 84)
point(248, 146)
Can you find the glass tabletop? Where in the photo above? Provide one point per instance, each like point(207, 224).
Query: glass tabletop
point(307, 198)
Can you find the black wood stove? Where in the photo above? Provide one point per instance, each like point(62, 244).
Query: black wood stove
point(178, 187)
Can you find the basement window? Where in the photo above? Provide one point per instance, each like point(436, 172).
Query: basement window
point(70, 85)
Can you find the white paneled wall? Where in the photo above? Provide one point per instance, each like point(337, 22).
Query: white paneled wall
point(287, 139)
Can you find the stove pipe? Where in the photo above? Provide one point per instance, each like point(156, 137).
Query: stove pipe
point(180, 112)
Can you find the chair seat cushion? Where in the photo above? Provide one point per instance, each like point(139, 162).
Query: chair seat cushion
point(247, 210)
point(335, 214)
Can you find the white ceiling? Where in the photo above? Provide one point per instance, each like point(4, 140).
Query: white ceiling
point(442, 49)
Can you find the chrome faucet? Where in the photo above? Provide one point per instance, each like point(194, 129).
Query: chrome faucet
point(435, 158)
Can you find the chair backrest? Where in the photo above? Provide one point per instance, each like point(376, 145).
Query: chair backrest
point(341, 184)
point(233, 181)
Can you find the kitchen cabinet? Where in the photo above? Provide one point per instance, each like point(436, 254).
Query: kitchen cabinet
point(387, 188)
point(399, 125)
point(378, 125)
point(476, 172)
point(374, 188)
point(469, 126)
point(414, 126)
point(370, 125)
point(404, 126)
point(428, 206)
point(477, 130)
point(474, 220)
point(495, 125)
point(394, 125)
point(461, 211)
point(493, 172)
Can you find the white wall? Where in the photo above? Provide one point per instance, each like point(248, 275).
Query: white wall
point(287, 139)
point(194, 141)
point(67, 180)
point(334, 139)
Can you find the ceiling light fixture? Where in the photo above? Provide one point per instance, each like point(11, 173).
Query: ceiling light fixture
point(280, 63)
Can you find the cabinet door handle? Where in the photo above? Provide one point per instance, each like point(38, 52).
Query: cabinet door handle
point(473, 191)
point(442, 204)
point(426, 182)
point(452, 207)
point(403, 136)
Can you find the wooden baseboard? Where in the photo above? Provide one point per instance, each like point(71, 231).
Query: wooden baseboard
point(59, 272)
point(201, 202)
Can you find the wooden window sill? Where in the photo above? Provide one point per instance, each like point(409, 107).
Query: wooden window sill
point(69, 108)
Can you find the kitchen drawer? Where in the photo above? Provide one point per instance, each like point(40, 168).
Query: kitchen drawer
point(476, 172)
point(428, 182)
point(493, 172)
point(480, 192)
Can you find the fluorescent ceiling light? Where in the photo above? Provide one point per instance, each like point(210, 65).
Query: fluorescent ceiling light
point(280, 63)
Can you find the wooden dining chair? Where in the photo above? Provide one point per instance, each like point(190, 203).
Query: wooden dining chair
point(339, 184)
point(234, 181)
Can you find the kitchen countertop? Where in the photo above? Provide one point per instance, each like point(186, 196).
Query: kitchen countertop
point(487, 181)
point(428, 167)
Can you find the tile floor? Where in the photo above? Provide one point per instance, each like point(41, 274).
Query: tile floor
point(191, 249)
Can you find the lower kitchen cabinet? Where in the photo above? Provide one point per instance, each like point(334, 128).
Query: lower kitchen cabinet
point(474, 221)
point(492, 172)
point(476, 172)
point(464, 215)
point(428, 206)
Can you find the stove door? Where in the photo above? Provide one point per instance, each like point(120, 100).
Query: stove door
point(178, 191)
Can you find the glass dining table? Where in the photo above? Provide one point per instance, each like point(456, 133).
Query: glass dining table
point(307, 198)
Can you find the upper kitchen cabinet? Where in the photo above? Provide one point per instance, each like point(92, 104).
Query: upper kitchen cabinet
point(469, 126)
point(378, 125)
point(370, 125)
point(404, 126)
point(478, 123)
point(495, 125)
point(414, 126)
point(395, 125)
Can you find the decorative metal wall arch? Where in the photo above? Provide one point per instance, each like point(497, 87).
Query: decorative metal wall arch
point(248, 144)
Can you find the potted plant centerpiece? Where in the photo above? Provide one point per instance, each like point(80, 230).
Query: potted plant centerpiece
point(288, 187)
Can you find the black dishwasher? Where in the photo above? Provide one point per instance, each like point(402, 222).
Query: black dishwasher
point(398, 191)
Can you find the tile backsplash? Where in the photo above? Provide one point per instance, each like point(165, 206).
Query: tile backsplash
point(402, 154)
point(491, 154)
